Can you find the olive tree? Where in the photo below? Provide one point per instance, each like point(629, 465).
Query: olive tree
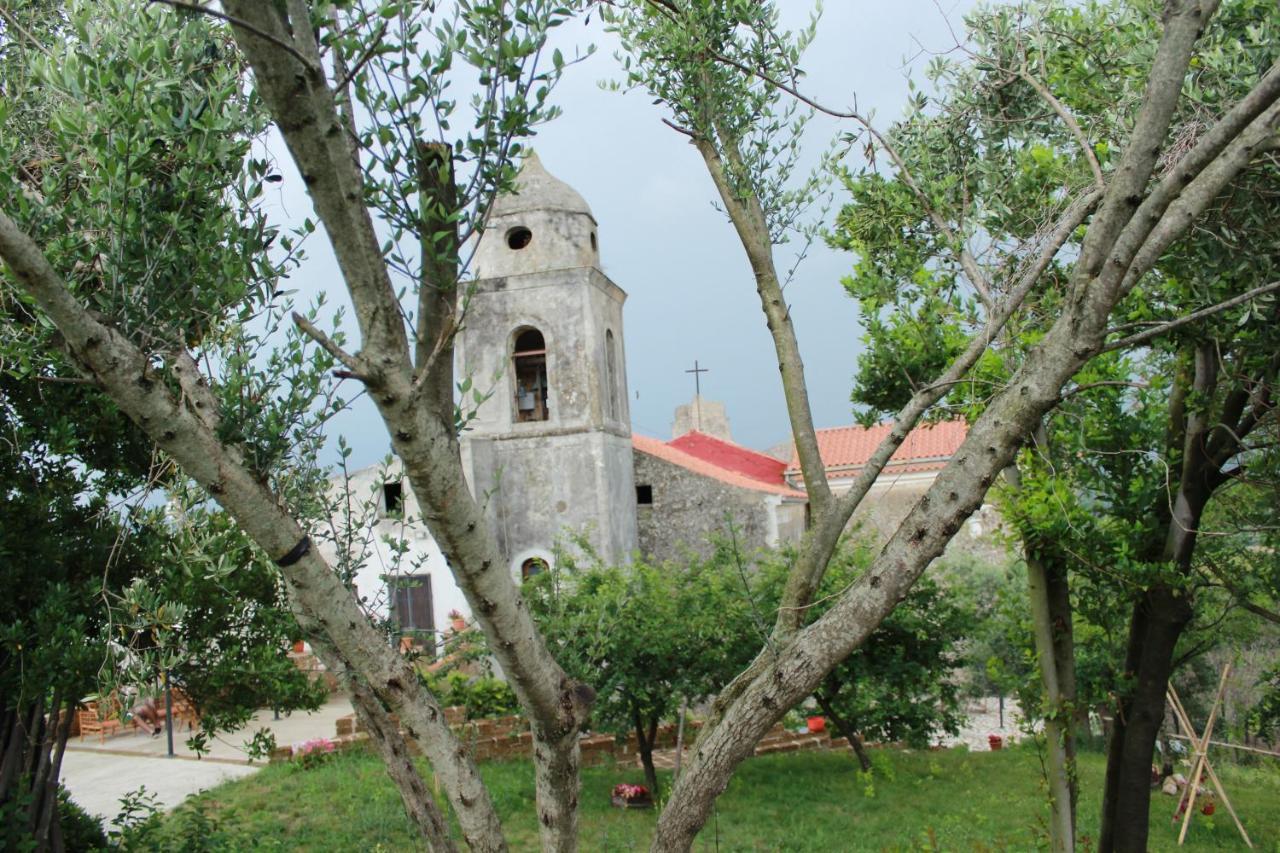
point(356, 90)
point(155, 286)
point(1143, 429)
point(727, 75)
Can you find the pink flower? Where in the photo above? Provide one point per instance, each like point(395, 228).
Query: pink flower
point(630, 792)
point(319, 744)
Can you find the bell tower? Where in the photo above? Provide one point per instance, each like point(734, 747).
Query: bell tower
point(548, 454)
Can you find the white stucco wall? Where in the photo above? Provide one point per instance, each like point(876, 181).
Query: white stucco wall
point(376, 533)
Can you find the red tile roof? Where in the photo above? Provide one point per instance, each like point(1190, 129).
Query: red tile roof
point(721, 460)
point(846, 449)
point(735, 457)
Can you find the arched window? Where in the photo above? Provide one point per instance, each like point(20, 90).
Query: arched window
point(529, 366)
point(611, 379)
point(532, 566)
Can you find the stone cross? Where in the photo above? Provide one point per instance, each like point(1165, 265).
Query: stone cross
point(697, 392)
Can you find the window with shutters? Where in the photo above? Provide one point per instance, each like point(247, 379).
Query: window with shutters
point(411, 607)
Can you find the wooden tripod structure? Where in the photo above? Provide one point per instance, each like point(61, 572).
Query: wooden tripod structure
point(1200, 760)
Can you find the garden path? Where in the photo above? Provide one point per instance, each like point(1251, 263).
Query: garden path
point(99, 773)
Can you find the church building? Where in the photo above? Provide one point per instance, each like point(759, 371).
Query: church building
point(550, 455)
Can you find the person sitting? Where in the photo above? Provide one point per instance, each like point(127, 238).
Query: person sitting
point(147, 714)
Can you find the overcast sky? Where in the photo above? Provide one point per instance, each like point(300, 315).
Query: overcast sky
point(691, 294)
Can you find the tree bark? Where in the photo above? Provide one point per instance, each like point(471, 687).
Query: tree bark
point(646, 734)
point(846, 730)
point(1159, 617)
point(385, 735)
point(1158, 620)
point(387, 739)
point(1049, 597)
point(1059, 732)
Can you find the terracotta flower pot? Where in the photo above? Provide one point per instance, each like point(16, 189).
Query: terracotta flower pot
point(995, 742)
point(299, 646)
point(817, 724)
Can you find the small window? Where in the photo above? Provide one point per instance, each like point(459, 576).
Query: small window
point(411, 606)
point(393, 499)
point(529, 363)
point(532, 566)
point(594, 247)
point(644, 495)
point(519, 237)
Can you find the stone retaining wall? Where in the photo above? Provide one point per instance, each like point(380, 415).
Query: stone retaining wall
point(505, 738)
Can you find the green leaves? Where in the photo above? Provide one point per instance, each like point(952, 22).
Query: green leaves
point(406, 60)
point(645, 635)
point(699, 60)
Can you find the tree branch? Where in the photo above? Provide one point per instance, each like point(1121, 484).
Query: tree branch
point(328, 345)
point(1194, 181)
point(1070, 121)
point(1241, 597)
point(66, 380)
point(350, 75)
point(1195, 316)
point(828, 527)
point(1106, 383)
point(244, 25)
point(968, 263)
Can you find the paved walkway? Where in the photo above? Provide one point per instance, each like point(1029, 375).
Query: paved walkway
point(98, 773)
point(983, 719)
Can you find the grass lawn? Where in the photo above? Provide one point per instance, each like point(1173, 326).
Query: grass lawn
point(951, 800)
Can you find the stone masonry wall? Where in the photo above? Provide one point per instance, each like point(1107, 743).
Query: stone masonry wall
point(506, 738)
point(688, 510)
point(883, 509)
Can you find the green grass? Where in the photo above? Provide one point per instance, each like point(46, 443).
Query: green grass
point(801, 802)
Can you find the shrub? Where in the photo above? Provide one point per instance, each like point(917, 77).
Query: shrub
point(81, 831)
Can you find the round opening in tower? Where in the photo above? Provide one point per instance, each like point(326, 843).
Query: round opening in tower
point(519, 237)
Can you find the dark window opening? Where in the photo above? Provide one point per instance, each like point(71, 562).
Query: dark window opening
point(594, 247)
point(530, 368)
point(412, 610)
point(644, 495)
point(532, 566)
point(519, 237)
point(393, 498)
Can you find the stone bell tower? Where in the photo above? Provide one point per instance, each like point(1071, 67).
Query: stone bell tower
point(548, 454)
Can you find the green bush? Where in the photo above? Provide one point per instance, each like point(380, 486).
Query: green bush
point(81, 831)
point(490, 697)
point(483, 696)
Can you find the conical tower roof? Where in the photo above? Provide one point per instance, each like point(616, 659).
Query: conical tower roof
point(538, 189)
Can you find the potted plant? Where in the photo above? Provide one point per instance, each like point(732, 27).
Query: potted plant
point(457, 621)
point(995, 742)
point(627, 796)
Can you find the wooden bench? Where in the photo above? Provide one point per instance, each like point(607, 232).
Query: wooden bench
point(93, 719)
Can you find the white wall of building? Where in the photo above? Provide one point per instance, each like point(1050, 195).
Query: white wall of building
point(391, 544)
